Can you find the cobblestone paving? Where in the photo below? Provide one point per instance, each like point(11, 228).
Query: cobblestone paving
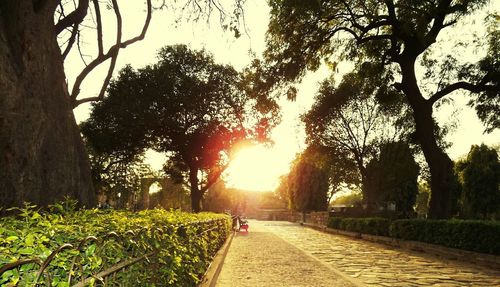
point(373, 264)
point(261, 259)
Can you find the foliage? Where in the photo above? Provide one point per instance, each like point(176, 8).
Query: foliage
point(480, 178)
point(474, 235)
point(181, 248)
point(487, 104)
point(397, 37)
point(170, 195)
point(282, 190)
point(354, 118)
point(301, 35)
point(271, 200)
point(185, 105)
point(334, 222)
point(422, 201)
point(219, 198)
point(117, 178)
point(307, 183)
point(350, 199)
point(375, 225)
point(392, 177)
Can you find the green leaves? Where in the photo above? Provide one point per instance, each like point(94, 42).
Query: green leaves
point(307, 182)
point(392, 177)
point(10, 239)
point(179, 261)
point(479, 174)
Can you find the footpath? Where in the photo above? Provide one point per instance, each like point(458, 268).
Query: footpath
point(261, 258)
point(277, 253)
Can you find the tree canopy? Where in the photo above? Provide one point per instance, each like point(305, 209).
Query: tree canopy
point(352, 120)
point(306, 185)
point(186, 105)
point(480, 178)
point(392, 177)
point(397, 36)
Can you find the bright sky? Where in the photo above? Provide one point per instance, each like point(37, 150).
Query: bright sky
point(257, 168)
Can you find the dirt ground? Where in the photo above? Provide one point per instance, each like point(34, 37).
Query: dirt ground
point(259, 258)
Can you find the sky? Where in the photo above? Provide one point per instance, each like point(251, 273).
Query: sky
point(289, 135)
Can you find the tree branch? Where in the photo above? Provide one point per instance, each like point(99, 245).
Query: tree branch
point(437, 25)
point(112, 53)
point(213, 177)
point(99, 26)
point(71, 41)
point(374, 38)
point(75, 17)
point(474, 88)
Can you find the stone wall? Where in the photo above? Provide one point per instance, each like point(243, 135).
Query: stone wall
point(317, 218)
point(275, 214)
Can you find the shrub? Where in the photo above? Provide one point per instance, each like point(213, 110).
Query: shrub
point(334, 222)
point(179, 246)
point(473, 235)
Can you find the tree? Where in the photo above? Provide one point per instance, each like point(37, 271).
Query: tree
point(353, 119)
point(117, 178)
point(186, 105)
point(397, 36)
point(351, 199)
point(422, 201)
point(282, 191)
point(392, 177)
point(480, 177)
point(219, 198)
point(42, 157)
point(307, 183)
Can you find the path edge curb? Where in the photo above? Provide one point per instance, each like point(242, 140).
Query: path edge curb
point(213, 271)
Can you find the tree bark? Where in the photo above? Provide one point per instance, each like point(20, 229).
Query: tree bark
point(196, 193)
point(42, 156)
point(441, 167)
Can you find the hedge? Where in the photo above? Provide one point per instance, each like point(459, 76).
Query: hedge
point(473, 235)
point(175, 248)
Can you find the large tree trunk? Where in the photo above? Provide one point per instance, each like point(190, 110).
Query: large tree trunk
point(42, 156)
point(443, 181)
point(441, 167)
point(196, 193)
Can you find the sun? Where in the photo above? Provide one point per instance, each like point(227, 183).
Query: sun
point(256, 168)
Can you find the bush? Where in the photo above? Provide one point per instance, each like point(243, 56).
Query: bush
point(179, 245)
point(334, 222)
point(473, 235)
point(375, 226)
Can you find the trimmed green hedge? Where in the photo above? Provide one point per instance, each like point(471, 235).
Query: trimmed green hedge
point(375, 225)
point(473, 235)
point(180, 245)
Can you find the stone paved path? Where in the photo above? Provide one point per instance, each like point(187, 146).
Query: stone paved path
point(260, 258)
point(364, 263)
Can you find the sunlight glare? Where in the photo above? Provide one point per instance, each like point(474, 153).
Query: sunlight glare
point(256, 168)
